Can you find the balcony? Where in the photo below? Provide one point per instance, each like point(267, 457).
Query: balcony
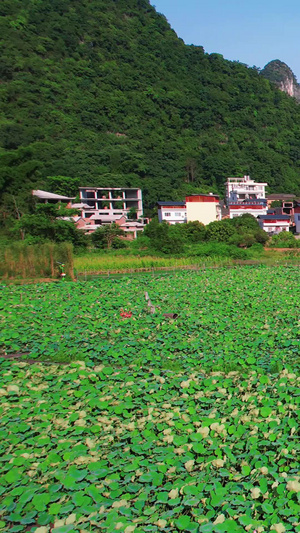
point(246, 188)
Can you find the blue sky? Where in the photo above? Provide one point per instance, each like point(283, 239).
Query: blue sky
point(250, 31)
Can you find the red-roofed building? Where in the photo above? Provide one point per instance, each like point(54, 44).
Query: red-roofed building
point(252, 207)
point(273, 224)
point(172, 212)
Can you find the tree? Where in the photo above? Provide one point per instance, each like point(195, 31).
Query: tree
point(40, 228)
point(156, 230)
point(261, 236)
point(47, 223)
point(132, 213)
point(193, 231)
point(220, 231)
point(245, 222)
point(164, 238)
point(242, 240)
point(67, 186)
point(191, 170)
point(284, 239)
point(106, 235)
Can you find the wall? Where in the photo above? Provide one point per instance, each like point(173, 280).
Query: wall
point(242, 210)
point(172, 219)
point(204, 212)
point(297, 219)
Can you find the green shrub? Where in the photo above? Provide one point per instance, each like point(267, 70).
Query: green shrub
point(164, 238)
point(220, 231)
point(190, 232)
point(216, 249)
point(242, 240)
point(105, 236)
point(118, 243)
point(261, 236)
point(284, 239)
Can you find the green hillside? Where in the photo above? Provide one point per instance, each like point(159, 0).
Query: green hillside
point(104, 91)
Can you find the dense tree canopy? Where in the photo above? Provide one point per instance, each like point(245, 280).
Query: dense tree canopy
point(242, 232)
point(104, 92)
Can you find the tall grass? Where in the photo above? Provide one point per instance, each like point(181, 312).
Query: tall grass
point(104, 263)
point(118, 262)
point(25, 261)
point(22, 261)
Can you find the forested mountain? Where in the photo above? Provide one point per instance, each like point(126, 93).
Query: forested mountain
point(104, 92)
point(283, 77)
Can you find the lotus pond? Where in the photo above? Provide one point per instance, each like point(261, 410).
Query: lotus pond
point(153, 424)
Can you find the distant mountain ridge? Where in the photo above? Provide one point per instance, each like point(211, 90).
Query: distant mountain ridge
point(282, 75)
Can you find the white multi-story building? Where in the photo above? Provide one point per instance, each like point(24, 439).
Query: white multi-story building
point(239, 189)
point(244, 195)
point(172, 212)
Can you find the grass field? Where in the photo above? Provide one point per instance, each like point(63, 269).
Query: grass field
point(118, 263)
point(154, 424)
point(123, 261)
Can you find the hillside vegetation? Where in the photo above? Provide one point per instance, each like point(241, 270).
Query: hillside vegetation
point(105, 93)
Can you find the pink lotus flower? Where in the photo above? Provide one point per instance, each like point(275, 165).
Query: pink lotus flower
point(125, 314)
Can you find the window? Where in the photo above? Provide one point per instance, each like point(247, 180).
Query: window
point(177, 214)
point(167, 214)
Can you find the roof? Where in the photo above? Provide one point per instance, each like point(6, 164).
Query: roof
point(274, 217)
point(204, 194)
point(88, 227)
point(170, 204)
point(280, 196)
point(44, 195)
point(244, 180)
point(255, 201)
point(106, 218)
point(132, 224)
point(92, 187)
point(71, 219)
point(80, 206)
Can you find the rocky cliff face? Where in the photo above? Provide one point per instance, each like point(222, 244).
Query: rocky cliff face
point(279, 73)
